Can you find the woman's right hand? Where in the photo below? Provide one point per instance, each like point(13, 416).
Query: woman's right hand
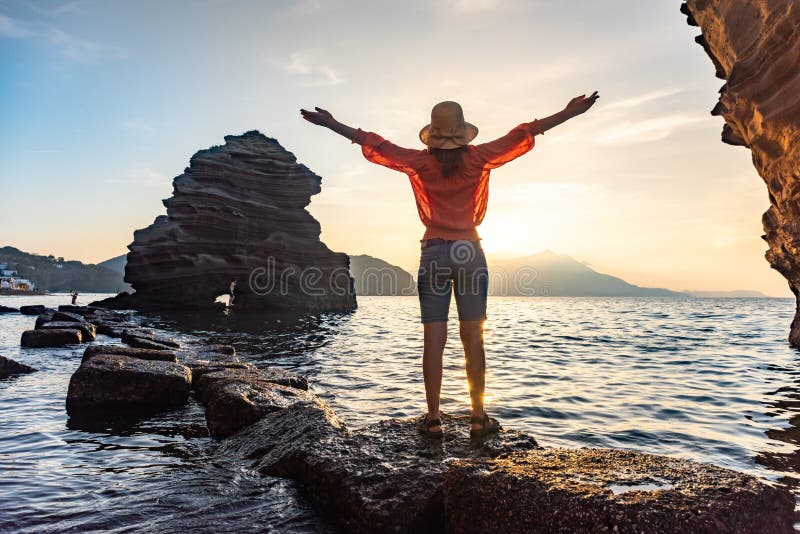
point(319, 117)
point(581, 104)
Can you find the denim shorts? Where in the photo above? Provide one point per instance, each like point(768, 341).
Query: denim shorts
point(447, 267)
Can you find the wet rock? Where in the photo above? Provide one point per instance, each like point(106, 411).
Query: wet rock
point(8, 309)
point(43, 318)
point(51, 338)
point(147, 339)
point(68, 317)
point(605, 490)
point(142, 354)
point(32, 310)
point(113, 384)
point(384, 478)
point(109, 329)
point(201, 367)
point(237, 208)
point(237, 395)
point(9, 367)
point(79, 310)
point(280, 443)
point(88, 330)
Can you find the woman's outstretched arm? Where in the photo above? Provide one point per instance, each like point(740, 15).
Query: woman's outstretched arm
point(576, 106)
point(321, 117)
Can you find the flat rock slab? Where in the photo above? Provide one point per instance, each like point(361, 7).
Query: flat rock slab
point(9, 367)
point(88, 330)
point(606, 490)
point(32, 310)
point(146, 339)
point(142, 354)
point(383, 478)
point(51, 337)
point(236, 395)
point(113, 384)
point(68, 317)
point(8, 309)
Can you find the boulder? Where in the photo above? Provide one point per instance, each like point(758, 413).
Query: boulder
point(142, 354)
point(9, 367)
point(51, 338)
point(113, 384)
point(238, 209)
point(88, 330)
point(37, 309)
point(109, 329)
point(68, 317)
point(8, 309)
point(605, 490)
point(43, 318)
point(147, 339)
point(236, 395)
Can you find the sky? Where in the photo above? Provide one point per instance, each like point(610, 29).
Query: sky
point(102, 103)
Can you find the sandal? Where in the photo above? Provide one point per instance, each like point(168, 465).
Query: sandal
point(488, 425)
point(425, 425)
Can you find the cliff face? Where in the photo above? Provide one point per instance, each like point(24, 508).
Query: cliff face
point(755, 47)
point(238, 213)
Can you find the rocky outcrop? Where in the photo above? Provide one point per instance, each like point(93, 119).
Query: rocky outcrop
point(51, 338)
point(238, 213)
point(8, 309)
point(605, 490)
point(117, 385)
point(9, 367)
point(755, 47)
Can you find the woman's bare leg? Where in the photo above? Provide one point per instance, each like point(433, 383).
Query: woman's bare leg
point(472, 339)
point(435, 339)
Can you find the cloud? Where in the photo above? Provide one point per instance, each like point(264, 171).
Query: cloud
point(70, 46)
point(69, 7)
point(79, 49)
point(646, 130)
point(642, 99)
point(12, 29)
point(311, 75)
point(469, 7)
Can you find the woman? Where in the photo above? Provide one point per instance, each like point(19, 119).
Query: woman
point(450, 183)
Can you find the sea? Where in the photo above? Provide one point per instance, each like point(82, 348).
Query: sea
point(711, 380)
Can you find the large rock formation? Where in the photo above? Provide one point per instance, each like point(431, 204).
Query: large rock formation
point(238, 213)
point(755, 47)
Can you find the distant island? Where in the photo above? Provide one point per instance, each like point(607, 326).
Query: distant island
point(50, 273)
point(738, 294)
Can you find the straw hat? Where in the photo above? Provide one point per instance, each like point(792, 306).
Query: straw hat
point(447, 128)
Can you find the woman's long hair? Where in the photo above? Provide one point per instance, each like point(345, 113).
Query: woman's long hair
point(451, 159)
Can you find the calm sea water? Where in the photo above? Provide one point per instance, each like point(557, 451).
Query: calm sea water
point(711, 380)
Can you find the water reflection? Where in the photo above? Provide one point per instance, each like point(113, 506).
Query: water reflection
point(784, 404)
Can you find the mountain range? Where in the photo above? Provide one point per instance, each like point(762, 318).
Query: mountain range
point(542, 274)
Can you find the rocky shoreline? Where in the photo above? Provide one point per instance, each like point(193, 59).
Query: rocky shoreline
point(386, 476)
